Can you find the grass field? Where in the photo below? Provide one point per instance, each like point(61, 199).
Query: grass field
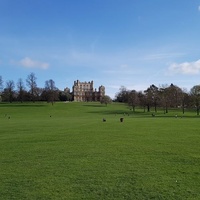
point(65, 151)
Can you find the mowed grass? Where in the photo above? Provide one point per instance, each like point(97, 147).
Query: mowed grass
point(65, 151)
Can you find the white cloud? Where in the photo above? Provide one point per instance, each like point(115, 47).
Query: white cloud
point(199, 8)
point(29, 63)
point(185, 68)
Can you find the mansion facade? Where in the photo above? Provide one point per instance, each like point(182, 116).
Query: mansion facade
point(84, 91)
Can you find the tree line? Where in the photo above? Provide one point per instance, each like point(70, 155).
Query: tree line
point(9, 91)
point(165, 96)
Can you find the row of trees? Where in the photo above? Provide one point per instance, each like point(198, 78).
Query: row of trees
point(49, 93)
point(165, 96)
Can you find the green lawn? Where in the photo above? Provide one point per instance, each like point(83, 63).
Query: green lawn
point(65, 151)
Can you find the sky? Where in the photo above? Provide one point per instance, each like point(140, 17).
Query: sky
point(130, 43)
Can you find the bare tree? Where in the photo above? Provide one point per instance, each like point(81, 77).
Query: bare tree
point(38, 93)
point(31, 83)
point(164, 97)
point(1, 87)
point(148, 96)
point(51, 91)
point(142, 100)
point(152, 97)
point(21, 90)
point(174, 95)
point(195, 95)
point(9, 91)
point(184, 99)
point(1, 83)
point(132, 99)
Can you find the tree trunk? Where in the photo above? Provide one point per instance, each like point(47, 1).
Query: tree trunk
point(148, 108)
point(166, 109)
point(183, 108)
point(155, 106)
point(133, 108)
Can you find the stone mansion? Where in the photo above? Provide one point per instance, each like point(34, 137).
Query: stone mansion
point(84, 91)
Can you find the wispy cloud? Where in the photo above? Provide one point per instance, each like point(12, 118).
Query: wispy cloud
point(29, 63)
point(93, 60)
point(161, 56)
point(190, 68)
point(198, 8)
point(122, 70)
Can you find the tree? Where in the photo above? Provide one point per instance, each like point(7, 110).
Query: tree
point(106, 100)
point(122, 95)
point(174, 95)
point(51, 91)
point(164, 97)
point(66, 94)
point(152, 97)
point(1, 83)
point(21, 90)
point(132, 99)
point(31, 83)
point(148, 96)
point(9, 91)
point(195, 95)
point(184, 100)
point(38, 93)
point(1, 87)
point(142, 100)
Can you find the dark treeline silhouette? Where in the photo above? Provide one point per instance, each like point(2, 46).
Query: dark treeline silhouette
point(9, 91)
point(164, 96)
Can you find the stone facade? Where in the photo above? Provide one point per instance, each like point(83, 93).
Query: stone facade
point(84, 91)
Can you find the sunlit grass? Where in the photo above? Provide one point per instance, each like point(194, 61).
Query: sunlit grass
point(66, 151)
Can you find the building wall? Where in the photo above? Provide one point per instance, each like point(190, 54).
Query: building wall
point(84, 91)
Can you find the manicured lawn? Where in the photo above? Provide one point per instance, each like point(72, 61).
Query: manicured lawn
point(65, 151)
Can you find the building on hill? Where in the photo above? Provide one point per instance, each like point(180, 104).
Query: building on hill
point(84, 91)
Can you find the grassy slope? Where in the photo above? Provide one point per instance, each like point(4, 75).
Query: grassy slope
point(65, 151)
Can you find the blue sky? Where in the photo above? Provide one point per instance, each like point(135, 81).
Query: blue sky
point(131, 43)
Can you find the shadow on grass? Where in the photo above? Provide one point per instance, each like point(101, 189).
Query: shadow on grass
point(20, 105)
point(91, 105)
point(138, 114)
